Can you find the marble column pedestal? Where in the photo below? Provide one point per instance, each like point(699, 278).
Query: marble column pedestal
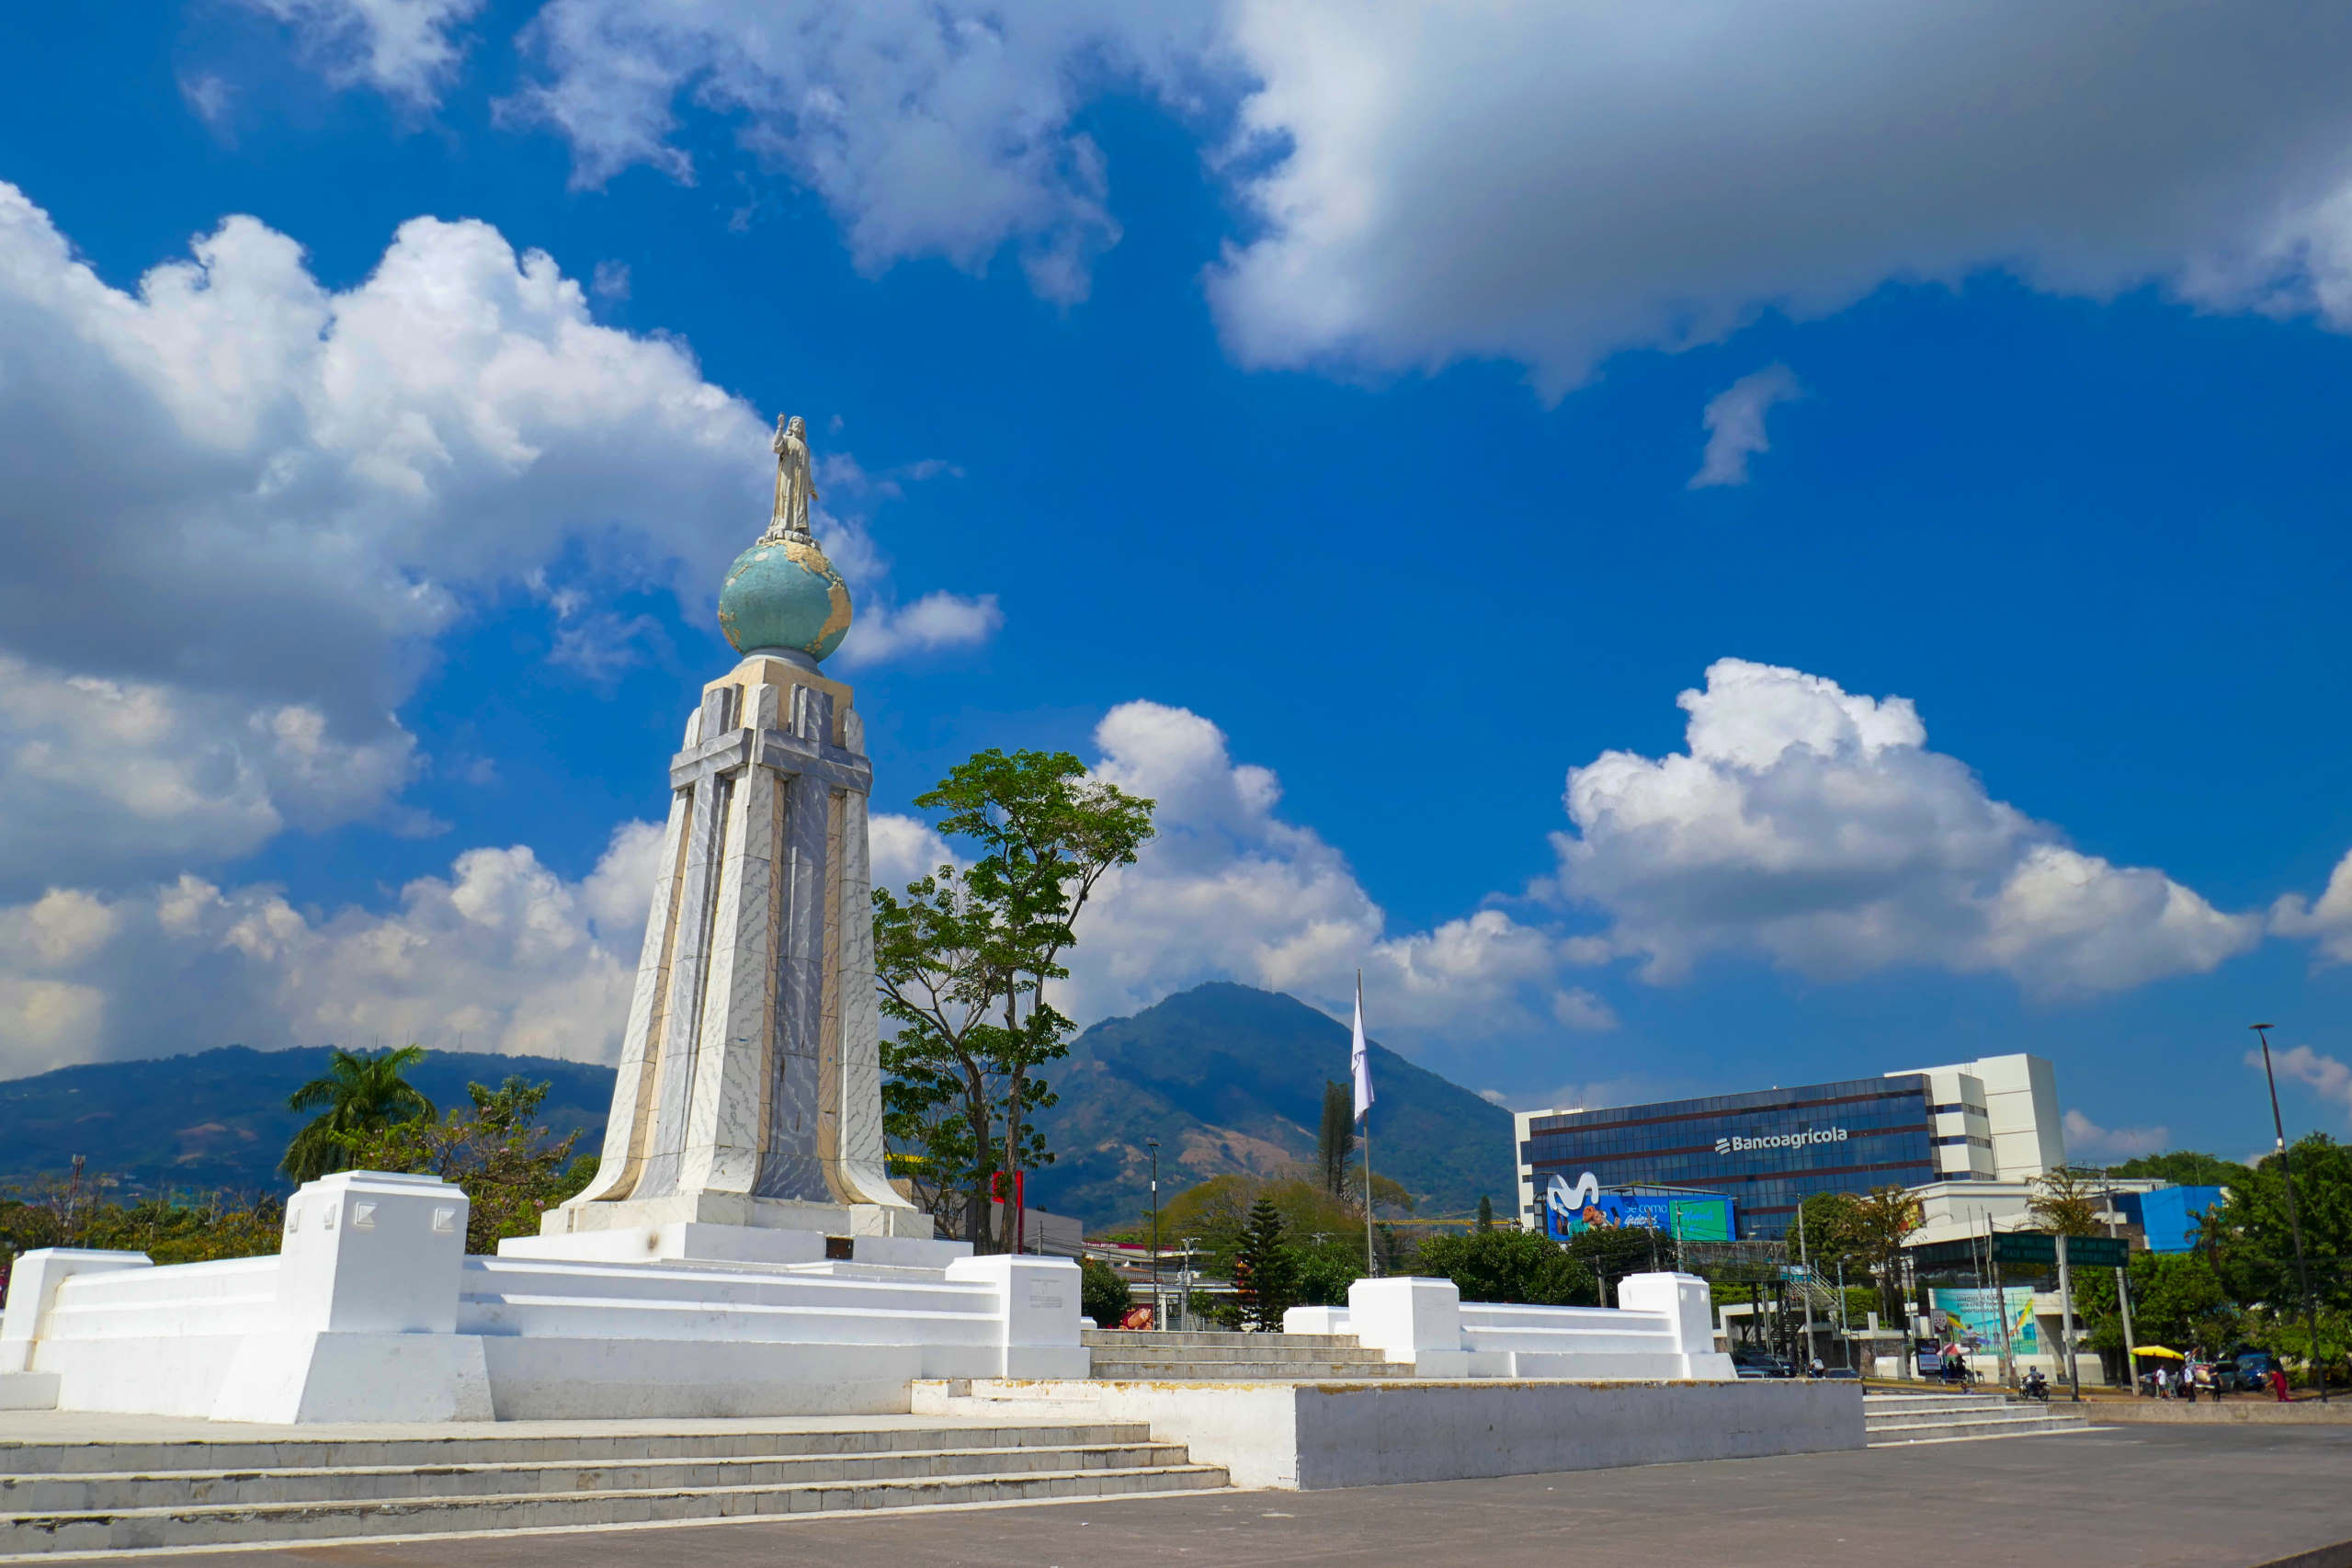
point(721, 1227)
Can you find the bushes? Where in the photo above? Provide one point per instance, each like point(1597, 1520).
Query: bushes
point(1509, 1265)
point(1102, 1294)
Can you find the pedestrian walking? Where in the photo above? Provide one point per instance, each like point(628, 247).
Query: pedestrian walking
point(2188, 1381)
point(2279, 1385)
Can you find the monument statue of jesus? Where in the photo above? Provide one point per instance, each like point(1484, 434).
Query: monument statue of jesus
point(795, 488)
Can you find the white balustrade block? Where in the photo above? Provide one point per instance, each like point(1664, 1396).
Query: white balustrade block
point(33, 1294)
point(1316, 1320)
point(1037, 1311)
point(1685, 1301)
point(370, 1252)
point(367, 1311)
point(1406, 1319)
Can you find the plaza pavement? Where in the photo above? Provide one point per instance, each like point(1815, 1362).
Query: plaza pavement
point(2113, 1498)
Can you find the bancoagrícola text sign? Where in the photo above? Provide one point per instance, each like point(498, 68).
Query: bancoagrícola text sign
point(1806, 1138)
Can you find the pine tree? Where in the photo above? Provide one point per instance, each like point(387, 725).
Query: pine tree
point(1335, 1141)
point(1266, 1274)
point(1485, 1212)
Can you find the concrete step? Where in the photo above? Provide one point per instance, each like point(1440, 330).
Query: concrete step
point(490, 1446)
point(1941, 1432)
point(27, 1536)
point(1106, 1370)
point(1207, 1364)
point(1124, 1339)
point(114, 1492)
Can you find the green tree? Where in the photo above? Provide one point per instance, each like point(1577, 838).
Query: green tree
point(2251, 1241)
point(2177, 1300)
point(934, 969)
point(1485, 1212)
point(2184, 1167)
point(1336, 1139)
point(1265, 1268)
point(356, 1094)
point(1509, 1265)
point(1879, 1222)
point(1324, 1271)
point(963, 958)
point(512, 1169)
point(1609, 1253)
point(2068, 1201)
point(1103, 1295)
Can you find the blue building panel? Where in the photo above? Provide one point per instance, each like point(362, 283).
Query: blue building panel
point(2169, 1215)
point(1767, 1152)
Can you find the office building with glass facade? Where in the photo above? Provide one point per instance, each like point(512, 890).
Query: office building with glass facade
point(1769, 1150)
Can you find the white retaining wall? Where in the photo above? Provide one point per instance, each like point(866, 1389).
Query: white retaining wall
point(1661, 1329)
point(372, 1311)
point(1308, 1435)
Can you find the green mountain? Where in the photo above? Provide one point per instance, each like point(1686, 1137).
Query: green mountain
point(218, 1120)
point(1229, 1078)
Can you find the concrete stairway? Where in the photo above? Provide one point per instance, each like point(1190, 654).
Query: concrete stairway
point(77, 1496)
point(1147, 1357)
point(1891, 1419)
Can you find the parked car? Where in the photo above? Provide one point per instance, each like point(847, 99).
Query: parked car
point(1760, 1364)
point(2248, 1372)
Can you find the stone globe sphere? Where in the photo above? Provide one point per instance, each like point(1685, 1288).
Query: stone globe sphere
point(784, 594)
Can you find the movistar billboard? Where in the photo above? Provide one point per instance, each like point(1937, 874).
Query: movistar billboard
point(1568, 1209)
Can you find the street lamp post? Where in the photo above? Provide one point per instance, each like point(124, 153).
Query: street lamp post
point(2294, 1219)
point(1159, 1308)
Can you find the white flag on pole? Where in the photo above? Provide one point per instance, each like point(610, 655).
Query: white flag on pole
point(1359, 1060)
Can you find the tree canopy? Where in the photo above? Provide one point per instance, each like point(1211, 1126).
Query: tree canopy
point(1510, 1265)
point(962, 958)
point(356, 1094)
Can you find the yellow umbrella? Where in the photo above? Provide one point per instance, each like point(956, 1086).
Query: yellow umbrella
point(2158, 1350)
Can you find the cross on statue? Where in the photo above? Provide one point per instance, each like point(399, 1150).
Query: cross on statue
point(795, 487)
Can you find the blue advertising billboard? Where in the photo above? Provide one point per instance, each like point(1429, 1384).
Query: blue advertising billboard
point(1569, 1209)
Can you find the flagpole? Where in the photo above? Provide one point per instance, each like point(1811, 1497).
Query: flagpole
point(1361, 1070)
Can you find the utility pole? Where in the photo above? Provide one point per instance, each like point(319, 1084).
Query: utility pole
point(2294, 1219)
point(1159, 1308)
point(2123, 1299)
point(1805, 1267)
point(2067, 1305)
point(2000, 1300)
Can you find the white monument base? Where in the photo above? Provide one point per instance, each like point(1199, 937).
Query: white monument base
point(1662, 1327)
point(372, 1311)
point(1306, 1436)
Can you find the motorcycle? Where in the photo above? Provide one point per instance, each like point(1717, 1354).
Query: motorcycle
point(2036, 1386)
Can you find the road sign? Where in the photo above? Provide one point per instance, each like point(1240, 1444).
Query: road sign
point(2098, 1252)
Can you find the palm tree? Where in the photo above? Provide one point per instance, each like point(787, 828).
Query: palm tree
point(360, 1094)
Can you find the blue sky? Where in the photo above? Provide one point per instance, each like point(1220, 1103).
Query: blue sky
point(1295, 411)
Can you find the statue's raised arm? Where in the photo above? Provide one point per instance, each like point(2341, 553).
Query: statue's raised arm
point(795, 488)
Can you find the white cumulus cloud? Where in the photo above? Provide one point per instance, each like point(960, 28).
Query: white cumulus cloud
point(502, 952)
point(2325, 1076)
point(239, 507)
point(2087, 1139)
point(1734, 422)
point(2327, 921)
point(1815, 827)
point(1551, 184)
point(930, 129)
point(1232, 890)
point(406, 49)
point(1545, 184)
